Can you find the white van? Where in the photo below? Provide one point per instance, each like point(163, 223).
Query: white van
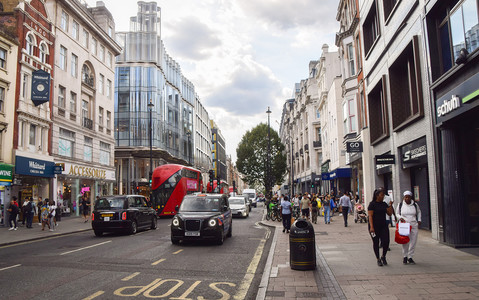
point(252, 195)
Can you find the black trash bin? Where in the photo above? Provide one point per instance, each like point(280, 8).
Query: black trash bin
point(302, 246)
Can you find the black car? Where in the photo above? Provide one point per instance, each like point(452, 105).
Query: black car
point(202, 217)
point(122, 213)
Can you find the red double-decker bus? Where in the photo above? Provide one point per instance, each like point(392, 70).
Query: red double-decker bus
point(169, 184)
point(223, 188)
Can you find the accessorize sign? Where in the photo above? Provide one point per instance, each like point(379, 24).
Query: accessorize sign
point(88, 171)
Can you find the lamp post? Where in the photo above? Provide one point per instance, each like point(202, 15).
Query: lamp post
point(292, 168)
point(150, 109)
point(268, 166)
point(188, 134)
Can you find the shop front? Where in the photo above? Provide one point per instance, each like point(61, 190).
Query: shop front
point(341, 180)
point(384, 170)
point(6, 177)
point(354, 159)
point(78, 181)
point(414, 159)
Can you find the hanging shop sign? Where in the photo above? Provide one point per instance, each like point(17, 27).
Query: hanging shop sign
point(33, 167)
point(414, 153)
point(352, 147)
point(6, 174)
point(340, 173)
point(40, 87)
point(384, 163)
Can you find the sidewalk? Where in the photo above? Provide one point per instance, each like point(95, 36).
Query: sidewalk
point(347, 269)
point(67, 225)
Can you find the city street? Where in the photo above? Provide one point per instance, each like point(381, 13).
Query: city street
point(145, 265)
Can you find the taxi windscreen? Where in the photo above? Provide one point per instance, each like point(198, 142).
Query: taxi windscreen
point(236, 201)
point(200, 204)
point(112, 203)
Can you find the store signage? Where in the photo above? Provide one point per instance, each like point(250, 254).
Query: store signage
point(446, 106)
point(87, 171)
point(40, 87)
point(352, 147)
point(6, 173)
point(385, 159)
point(33, 167)
point(414, 153)
point(57, 169)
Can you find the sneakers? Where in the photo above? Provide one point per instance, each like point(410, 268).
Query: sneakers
point(15, 228)
point(380, 263)
point(51, 229)
point(384, 261)
point(11, 228)
point(411, 261)
point(404, 260)
point(284, 229)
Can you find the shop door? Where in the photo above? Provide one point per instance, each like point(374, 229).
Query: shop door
point(420, 190)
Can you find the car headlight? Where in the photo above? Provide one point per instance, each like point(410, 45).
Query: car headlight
point(212, 222)
point(176, 222)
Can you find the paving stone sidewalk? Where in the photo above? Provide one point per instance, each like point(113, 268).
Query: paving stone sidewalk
point(347, 268)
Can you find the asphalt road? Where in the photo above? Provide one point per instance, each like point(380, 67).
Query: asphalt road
point(141, 266)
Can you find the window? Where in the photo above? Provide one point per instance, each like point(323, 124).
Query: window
point(405, 86)
point(108, 119)
point(85, 38)
point(104, 153)
point(102, 53)
point(352, 121)
point(25, 85)
point(75, 29)
point(2, 99)
point(345, 118)
point(108, 88)
point(32, 136)
point(3, 58)
point(74, 67)
point(63, 58)
point(389, 7)
point(109, 59)
point(87, 75)
point(378, 114)
point(371, 29)
point(85, 111)
point(358, 54)
point(73, 102)
point(30, 44)
point(101, 84)
point(352, 67)
point(61, 97)
point(43, 52)
point(66, 143)
point(110, 31)
point(64, 21)
point(318, 134)
point(88, 149)
point(100, 116)
point(93, 45)
point(363, 110)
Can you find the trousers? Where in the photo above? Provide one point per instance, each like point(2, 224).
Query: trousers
point(326, 214)
point(408, 249)
point(345, 210)
point(287, 221)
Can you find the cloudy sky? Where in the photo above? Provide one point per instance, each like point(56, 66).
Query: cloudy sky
point(241, 55)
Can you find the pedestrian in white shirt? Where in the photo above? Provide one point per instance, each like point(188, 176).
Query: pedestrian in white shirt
point(408, 211)
point(51, 215)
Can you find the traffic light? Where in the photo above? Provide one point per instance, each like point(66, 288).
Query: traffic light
point(312, 185)
point(212, 176)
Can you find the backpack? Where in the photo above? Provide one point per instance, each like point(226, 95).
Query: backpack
point(314, 203)
point(28, 207)
point(415, 206)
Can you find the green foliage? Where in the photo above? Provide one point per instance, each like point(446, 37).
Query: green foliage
point(252, 156)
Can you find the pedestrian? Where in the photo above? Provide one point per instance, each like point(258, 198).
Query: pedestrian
point(33, 208)
point(305, 206)
point(315, 206)
point(39, 210)
point(44, 214)
point(24, 211)
point(327, 209)
point(408, 211)
point(84, 205)
point(286, 212)
point(13, 212)
point(377, 225)
point(345, 206)
point(52, 211)
point(296, 208)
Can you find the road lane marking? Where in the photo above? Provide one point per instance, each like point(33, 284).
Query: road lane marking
point(87, 247)
point(248, 277)
point(177, 251)
point(10, 267)
point(130, 276)
point(99, 293)
point(158, 261)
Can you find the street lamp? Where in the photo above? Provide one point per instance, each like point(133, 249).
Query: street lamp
point(188, 134)
point(268, 166)
point(150, 109)
point(292, 167)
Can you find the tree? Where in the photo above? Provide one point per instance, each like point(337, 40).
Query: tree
point(252, 156)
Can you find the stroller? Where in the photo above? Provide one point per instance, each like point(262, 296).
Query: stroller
point(360, 213)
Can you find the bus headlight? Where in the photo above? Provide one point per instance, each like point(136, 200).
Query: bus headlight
point(175, 222)
point(212, 222)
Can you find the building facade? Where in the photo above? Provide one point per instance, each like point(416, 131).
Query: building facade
point(202, 156)
point(83, 102)
point(218, 153)
point(149, 84)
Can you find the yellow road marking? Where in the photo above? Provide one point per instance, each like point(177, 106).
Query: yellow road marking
point(158, 261)
point(99, 293)
point(248, 277)
point(178, 251)
point(130, 277)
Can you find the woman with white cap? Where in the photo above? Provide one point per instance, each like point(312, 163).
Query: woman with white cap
point(408, 211)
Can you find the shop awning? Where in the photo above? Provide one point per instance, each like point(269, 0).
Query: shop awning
point(340, 173)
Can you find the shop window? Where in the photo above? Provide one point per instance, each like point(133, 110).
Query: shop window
point(66, 143)
point(61, 97)
point(371, 30)
point(378, 115)
point(63, 58)
point(405, 86)
point(389, 6)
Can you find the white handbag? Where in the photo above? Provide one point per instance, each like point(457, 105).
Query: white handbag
point(404, 229)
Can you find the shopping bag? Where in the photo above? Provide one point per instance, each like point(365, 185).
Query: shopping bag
point(400, 239)
point(404, 229)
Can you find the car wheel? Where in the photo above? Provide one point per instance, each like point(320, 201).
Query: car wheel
point(154, 223)
point(230, 231)
point(221, 239)
point(175, 241)
point(98, 232)
point(133, 227)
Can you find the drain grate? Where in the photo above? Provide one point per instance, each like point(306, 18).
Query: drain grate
point(274, 294)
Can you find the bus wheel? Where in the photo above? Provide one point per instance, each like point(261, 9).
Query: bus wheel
point(154, 223)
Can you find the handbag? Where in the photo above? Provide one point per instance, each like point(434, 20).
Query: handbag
point(400, 239)
point(404, 229)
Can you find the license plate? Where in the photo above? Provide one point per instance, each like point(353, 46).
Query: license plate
point(107, 215)
point(192, 233)
point(106, 219)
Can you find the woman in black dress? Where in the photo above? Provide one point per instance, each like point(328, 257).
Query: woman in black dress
point(377, 225)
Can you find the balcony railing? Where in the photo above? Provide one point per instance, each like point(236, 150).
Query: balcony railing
point(88, 123)
point(306, 147)
point(317, 144)
point(301, 151)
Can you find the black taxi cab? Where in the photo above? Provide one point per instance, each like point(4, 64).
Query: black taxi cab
point(126, 213)
point(202, 217)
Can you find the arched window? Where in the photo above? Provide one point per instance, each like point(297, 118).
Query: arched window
point(30, 44)
point(43, 52)
point(87, 75)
